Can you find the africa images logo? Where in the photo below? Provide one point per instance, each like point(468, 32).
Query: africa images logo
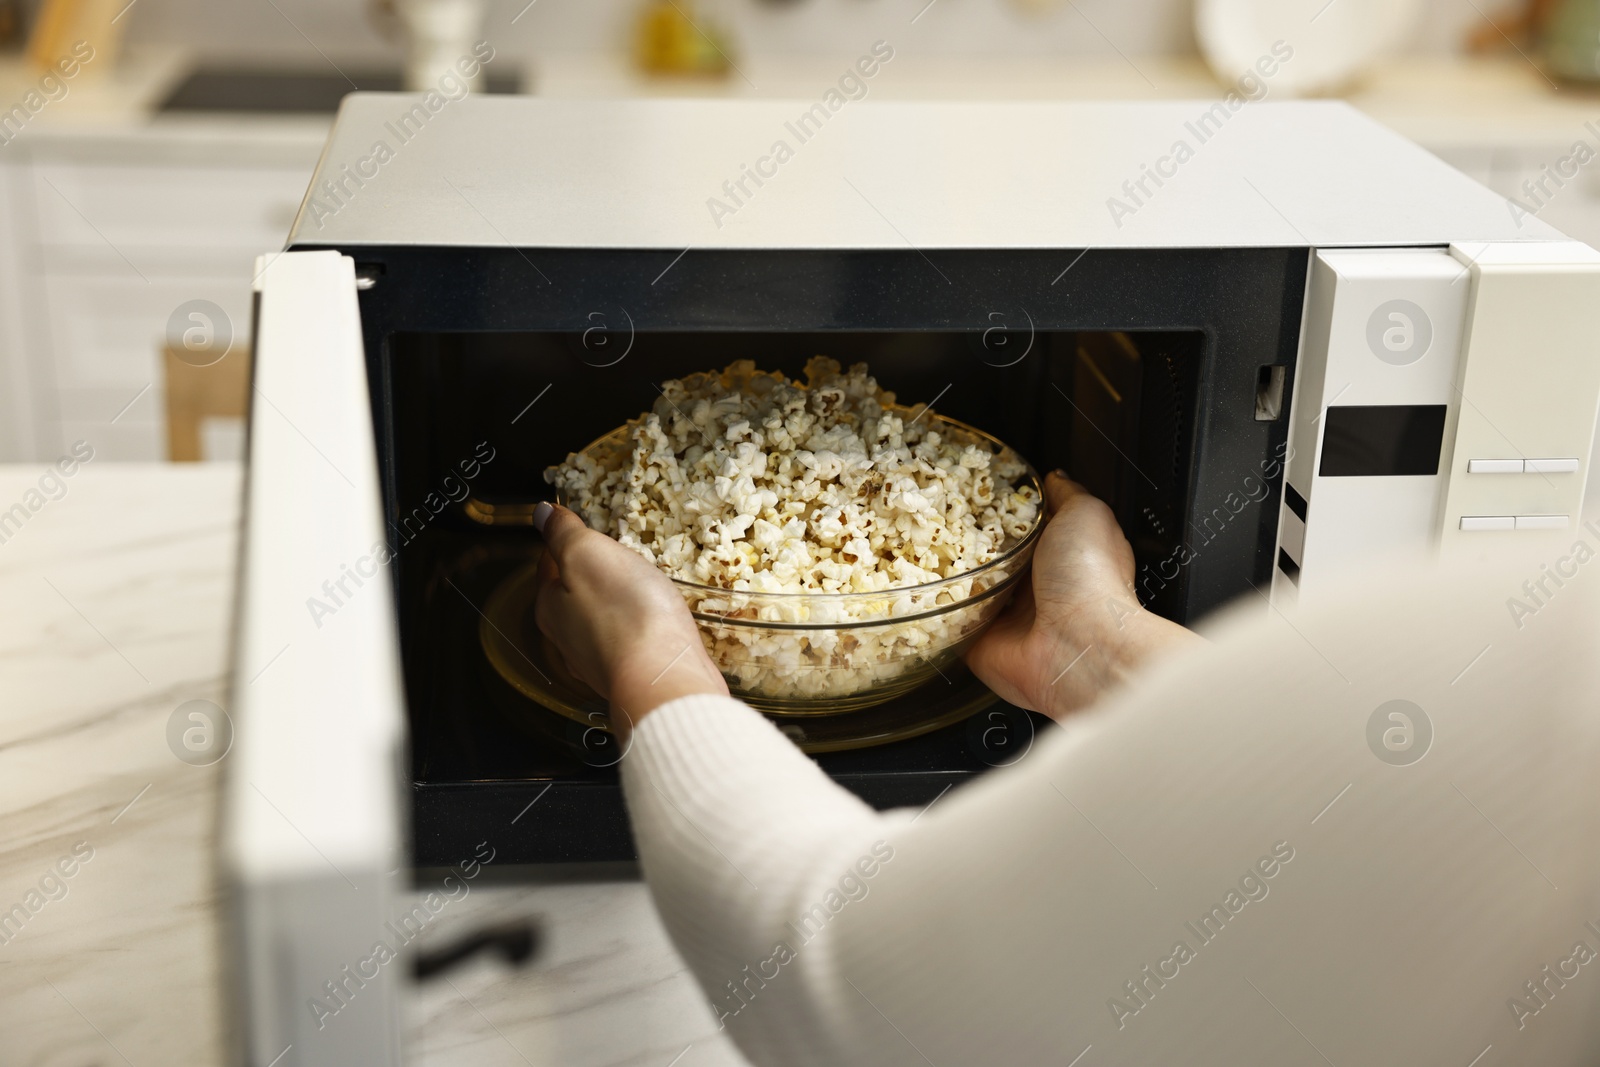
point(1399, 333)
point(1399, 733)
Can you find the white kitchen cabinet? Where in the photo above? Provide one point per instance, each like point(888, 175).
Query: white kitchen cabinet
point(157, 210)
point(107, 330)
point(106, 235)
point(27, 402)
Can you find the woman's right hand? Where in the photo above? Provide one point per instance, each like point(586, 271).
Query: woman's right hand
point(1077, 628)
point(620, 625)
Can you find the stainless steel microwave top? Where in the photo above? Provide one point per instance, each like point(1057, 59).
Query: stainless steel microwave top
point(675, 174)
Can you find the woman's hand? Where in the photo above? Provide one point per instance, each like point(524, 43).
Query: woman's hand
point(618, 622)
point(1078, 629)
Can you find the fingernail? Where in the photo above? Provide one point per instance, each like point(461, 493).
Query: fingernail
point(541, 515)
point(1059, 473)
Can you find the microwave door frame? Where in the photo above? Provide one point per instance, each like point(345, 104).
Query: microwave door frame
point(313, 814)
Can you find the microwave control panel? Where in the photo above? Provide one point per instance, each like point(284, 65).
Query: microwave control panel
point(1445, 400)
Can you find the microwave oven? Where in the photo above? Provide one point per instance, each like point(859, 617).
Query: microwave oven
point(1282, 342)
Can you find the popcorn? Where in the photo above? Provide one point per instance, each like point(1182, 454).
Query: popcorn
point(750, 485)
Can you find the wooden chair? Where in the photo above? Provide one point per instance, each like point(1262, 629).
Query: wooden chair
point(195, 393)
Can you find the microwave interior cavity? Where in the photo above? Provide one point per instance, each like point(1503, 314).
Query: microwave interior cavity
point(1160, 379)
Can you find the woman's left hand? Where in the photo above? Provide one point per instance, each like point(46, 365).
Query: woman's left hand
point(1075, 629)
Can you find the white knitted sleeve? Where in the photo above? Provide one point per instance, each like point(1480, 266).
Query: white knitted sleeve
point(1236, 861)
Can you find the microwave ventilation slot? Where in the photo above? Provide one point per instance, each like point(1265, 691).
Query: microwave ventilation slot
point(1269, 393)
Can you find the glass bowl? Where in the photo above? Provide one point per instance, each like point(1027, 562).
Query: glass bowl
point(826, 653)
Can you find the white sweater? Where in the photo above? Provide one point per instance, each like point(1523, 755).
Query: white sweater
point(1215, 867)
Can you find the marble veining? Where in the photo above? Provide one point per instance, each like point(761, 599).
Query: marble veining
point(118, 602)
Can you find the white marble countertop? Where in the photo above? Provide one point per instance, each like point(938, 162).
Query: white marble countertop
point(118, 603)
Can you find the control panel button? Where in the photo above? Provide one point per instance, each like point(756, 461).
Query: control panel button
point(1494, 466)
point(1542, 522)
point(1550, 466)
point(1488, 522)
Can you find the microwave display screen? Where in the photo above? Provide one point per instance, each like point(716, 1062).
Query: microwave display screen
point(1394, 439)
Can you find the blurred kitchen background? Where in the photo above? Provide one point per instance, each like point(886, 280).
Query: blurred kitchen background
point(143, 170)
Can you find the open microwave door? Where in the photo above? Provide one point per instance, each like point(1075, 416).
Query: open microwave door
point(311, 848)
